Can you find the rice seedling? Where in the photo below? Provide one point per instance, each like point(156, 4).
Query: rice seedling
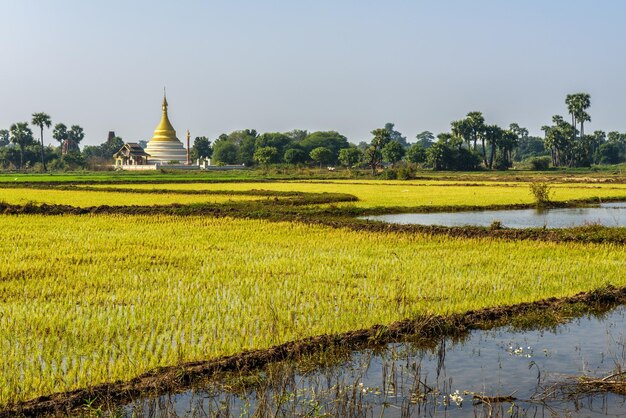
point(96, 298)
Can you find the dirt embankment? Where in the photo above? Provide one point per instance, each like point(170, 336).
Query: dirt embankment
point(178, 378)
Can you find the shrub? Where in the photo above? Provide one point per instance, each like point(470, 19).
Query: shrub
point(389, 174)
point(539, 163)
point(541, 192)
point(406, 171)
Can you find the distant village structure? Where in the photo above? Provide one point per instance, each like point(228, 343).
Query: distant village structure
point(164, 149)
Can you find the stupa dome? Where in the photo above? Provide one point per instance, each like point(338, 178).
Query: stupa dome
point(165, 147)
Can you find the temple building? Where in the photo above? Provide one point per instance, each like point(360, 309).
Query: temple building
point(131, 154)
point(165, 147)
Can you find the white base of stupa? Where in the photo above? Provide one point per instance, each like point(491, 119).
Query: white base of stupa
point(165, 152)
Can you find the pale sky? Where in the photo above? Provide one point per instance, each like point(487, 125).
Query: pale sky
point(344, 65)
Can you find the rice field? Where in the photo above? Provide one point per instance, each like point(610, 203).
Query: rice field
point(88, 299)
point(413, 193)
point(81, 198)
point(96, 298)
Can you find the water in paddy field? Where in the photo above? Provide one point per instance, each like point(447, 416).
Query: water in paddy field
point(607, 214)
point(537, 368)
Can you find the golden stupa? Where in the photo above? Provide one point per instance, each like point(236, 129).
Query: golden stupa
point(165, 147)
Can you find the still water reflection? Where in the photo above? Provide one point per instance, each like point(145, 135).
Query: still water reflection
point(404, 380)
point(607, 214)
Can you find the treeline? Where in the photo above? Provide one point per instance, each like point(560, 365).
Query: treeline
point(20, 150)
point(470, 144)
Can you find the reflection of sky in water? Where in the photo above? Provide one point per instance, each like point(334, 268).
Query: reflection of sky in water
point(492, 363)
point(608, 214)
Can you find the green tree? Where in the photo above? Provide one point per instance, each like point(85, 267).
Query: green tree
point(277, 140)
point(451, 140)
point(426, 139)
point(74, 136)
point(437, 155)
point(392, 152)
point(493, 135)
point(349, 157)
point(295, 156)
point(225, 151)
point(446, 154)
point(395, 135)
point(416, 153)
point(243, 144)
point(381, 138)
point(471, 129)
point(73, 160)
point(297, 135)
point(246, 144)
point(111, 147)
point(577, 105)
point(615, 136)
point(95, 156)
point(598, 138)
point(373, 156)
point(42, 119)
point(60, 133)
point(611, 153)
point(322, 155)
point(363, 145)
point(581, 147)
point(201, 148)
point(103, 151)
point(508, 142)
point(22, 136)
point(560, 139)
point(332, 140)
point(4, 137)
point(265, 155)
point(522, 133)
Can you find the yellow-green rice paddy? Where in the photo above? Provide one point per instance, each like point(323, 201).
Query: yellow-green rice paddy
point(87, 299)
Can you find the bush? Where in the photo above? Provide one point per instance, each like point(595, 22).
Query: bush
point(389, 174)
point(541, 192)
point(406, 171)
point(539, 163)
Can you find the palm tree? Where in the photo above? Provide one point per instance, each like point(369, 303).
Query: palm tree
point(60, 133)
point(571, 100)
point(493, 135)
point(22, 136)
point(476, 122)
point(4, 137)
point(584, 102)
point(577, 105)
point(41, 119)
point(74, 136)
